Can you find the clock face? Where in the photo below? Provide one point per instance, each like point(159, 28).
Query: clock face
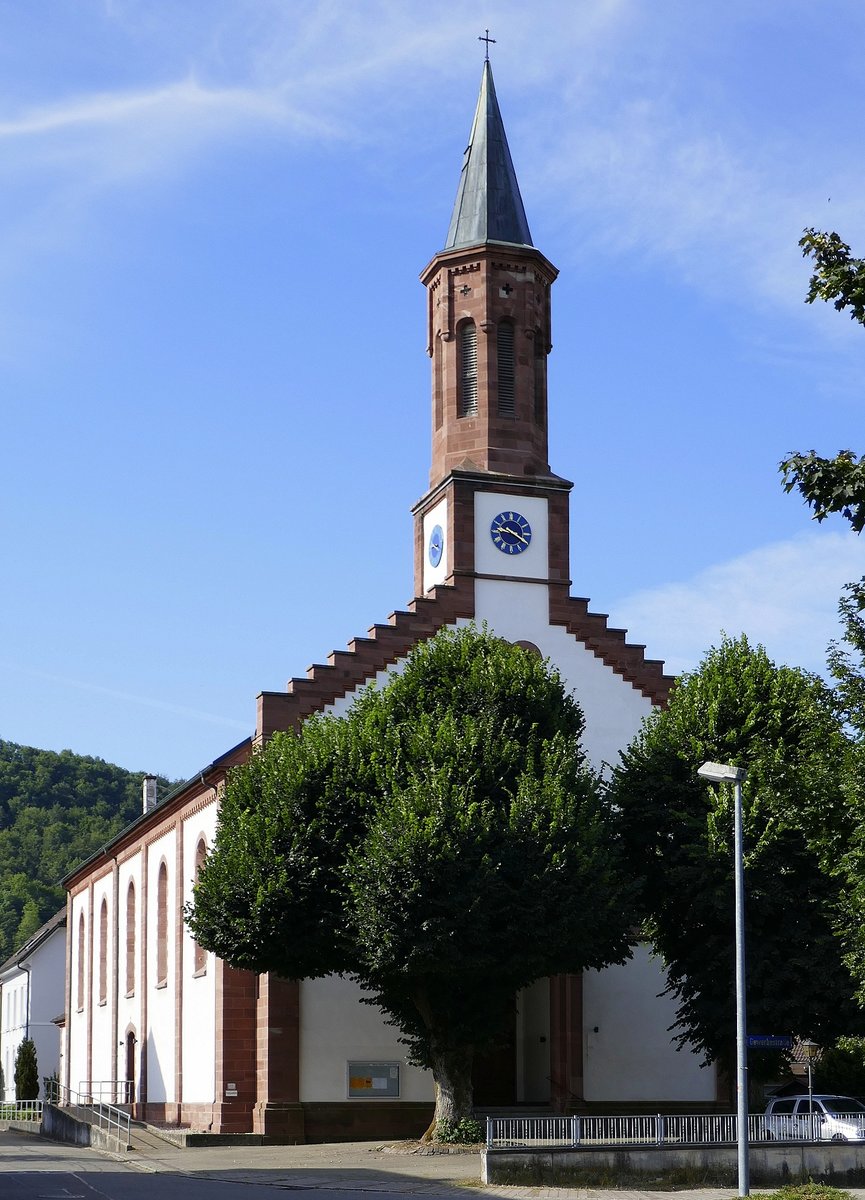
point(436, 545)
point(511, 532)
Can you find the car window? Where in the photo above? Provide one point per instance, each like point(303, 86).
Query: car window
point(782, 1106)
point(843, 1104)
point(803, 1107)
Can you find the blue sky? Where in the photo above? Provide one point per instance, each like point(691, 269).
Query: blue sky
point(213, 383)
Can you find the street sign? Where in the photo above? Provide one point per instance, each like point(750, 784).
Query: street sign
point(769, 1041)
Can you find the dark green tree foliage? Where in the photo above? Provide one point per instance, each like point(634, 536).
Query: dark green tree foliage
point(840, 1069)
point(828, 485)
point(847, 659)
point(444, 843)
point(838, 276)
point(780, 724)
point(26, 1072)
point(831, 485)
point(55, 811)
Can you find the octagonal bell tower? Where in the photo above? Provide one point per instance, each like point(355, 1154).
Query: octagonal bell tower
point(488, 336)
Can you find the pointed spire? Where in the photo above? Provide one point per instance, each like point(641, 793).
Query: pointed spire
point(488, 206)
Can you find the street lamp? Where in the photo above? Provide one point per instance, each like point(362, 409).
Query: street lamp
point(811, 1051)
point(724, 773)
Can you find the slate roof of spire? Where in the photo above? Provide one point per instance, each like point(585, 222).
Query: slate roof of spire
point(488, 206)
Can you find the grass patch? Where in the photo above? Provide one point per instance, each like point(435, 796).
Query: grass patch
point(804, 1191)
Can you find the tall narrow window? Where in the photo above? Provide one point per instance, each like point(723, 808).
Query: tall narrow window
point(80, 997)
point(200, 960)
point(162, 926)
point(506, 370)
point(130, 939)
point(103, 952)
point(467, 369)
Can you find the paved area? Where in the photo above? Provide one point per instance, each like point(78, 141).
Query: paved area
point(373, 1167)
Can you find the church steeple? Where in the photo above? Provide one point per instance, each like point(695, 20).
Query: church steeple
point(489, 317)
point(488, 207)
point(488, 337)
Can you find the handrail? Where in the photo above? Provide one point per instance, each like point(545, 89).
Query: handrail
point(107, 1117)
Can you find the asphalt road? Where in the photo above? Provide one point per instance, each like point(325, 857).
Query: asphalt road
point(33, 1168)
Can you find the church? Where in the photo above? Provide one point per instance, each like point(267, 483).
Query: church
point(154, 1021)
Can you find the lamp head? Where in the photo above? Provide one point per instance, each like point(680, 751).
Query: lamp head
point(722, 772)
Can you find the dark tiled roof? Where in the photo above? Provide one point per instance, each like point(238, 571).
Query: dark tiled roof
point(488, 206)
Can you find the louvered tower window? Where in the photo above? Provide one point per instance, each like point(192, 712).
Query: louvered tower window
point(506, 373)
point(467, 366)
point(540, 380)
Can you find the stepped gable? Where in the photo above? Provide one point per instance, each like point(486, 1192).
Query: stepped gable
point(349, 669)
point(625, 658)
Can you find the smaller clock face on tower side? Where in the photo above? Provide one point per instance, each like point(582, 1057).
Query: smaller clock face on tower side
point(511, 532)
point(436, 545)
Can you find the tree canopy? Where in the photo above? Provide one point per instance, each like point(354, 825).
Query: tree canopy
point(442, 843)
point(55, 811)
point(778, 722)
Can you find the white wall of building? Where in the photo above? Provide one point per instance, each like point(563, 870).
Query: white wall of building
point(104, 1051)
point(335, 1028)
point(129, 998)
point(533, 1043)
point(160, 1038)
point(76, 1015)
point(199, 989)
point(628, 1053)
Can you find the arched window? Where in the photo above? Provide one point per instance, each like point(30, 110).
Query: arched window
point(467, 369)
point(80, 997)
point(103, 952)
point(130, 939)
point(162, 926)
point(506, 369)
point(200, 959)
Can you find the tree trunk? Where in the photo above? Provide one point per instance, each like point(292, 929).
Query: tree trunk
point(452, 1072)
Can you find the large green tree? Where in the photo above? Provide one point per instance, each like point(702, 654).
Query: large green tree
point(778, 722)
point(444, 843)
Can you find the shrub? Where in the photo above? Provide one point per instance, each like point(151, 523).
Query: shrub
point(26, 1072)
point(466, 1132)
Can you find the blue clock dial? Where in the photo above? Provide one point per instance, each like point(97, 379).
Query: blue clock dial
point(511, 532)
point(436, 545)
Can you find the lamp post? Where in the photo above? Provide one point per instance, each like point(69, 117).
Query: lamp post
point(724, 773)
point(810, 1050)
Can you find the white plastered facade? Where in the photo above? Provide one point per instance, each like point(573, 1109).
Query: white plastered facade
point(31, 1000)
point(131, 1006)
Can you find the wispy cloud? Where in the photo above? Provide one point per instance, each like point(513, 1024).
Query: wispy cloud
point(784, 596)
point(73, 685)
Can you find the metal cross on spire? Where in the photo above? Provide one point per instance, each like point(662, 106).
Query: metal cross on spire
point(486, 38)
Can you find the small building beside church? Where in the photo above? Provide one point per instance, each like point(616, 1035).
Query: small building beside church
point(153, 1020)
point(32, 989)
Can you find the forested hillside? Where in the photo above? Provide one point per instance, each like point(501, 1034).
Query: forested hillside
point(55, 811)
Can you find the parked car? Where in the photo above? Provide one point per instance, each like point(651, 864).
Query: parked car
point(822, 1118)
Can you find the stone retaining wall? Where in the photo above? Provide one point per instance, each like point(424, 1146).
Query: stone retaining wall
point(836, 1163)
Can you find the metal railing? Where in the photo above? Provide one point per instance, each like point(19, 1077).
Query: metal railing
point(114, 1121)
point(106, 1091)
point(658, 1130)
point(21, 1110)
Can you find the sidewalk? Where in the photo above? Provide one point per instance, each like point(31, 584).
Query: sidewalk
point(371, 1167)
